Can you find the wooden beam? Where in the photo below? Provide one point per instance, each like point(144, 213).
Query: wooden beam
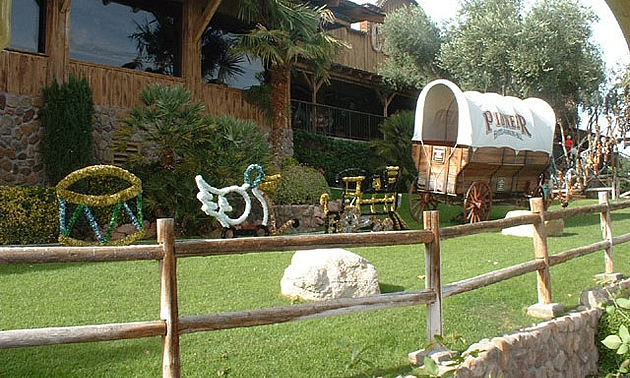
point(21, 338)
point(433, 275)
point(541, 252)
point(64, 5)
point(208, 11)
point(171, 361)
point(303, 311)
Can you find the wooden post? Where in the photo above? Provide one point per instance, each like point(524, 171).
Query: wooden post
point(57, 40)
point(171, 364)
point(541, 252)
point(433, 279)
point(606, 226)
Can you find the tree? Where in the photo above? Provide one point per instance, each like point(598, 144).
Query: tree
point(545, 52)
point(67, 119)
point(480, 45)
point(169, 120)
point(413, 42)
point(395, 147)
point(286, 31)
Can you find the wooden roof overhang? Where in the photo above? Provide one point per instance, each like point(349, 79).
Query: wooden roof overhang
point(621, 10)
point(348, 12)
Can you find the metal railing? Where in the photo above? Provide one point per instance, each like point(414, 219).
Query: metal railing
point(333, 121)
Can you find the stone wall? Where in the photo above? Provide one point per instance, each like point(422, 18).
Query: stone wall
point(21, 161)
point(562, 347)
point(20, 136)
point(105, 122)
point(310, 217)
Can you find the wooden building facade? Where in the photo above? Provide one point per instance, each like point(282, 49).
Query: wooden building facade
point(24, 73)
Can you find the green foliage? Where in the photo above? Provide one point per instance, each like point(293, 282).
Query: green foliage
point(287, 31)
point(300, 185)
point(169, 121)
point(30, 215)
point(395, 147)
point(187, 144)
point(413, 42)
point(614, 351)
point(546, 52)
point(260, 96)
point(332, 155)
point(232, 146)
point(67, 119)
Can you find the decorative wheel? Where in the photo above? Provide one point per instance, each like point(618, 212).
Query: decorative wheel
point(478, 202)
point(541, 191)
point(262, 230)
point(420, 200)
point(228, 233)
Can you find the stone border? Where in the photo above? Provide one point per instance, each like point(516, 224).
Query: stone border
point(561, 347)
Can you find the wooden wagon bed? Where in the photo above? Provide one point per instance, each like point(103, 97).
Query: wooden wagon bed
point(492, 145)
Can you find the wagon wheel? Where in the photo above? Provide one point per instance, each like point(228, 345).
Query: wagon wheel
point(478, 202)
point(419, 201)
point(539, 191)
point(261, 231)
point(228, 233)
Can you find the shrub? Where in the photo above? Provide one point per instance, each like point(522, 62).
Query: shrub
point(300, 185)
point(235, 144)
point(30, 215)
point(609, 323)
point(395, 147)
point(188, 143)
point(333, 155)
point(67, 119)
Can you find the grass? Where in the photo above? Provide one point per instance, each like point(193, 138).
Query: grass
point(361, 345)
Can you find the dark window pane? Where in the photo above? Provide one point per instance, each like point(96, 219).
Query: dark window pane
point(219, 63)
point(27, 25)
point(138, 34)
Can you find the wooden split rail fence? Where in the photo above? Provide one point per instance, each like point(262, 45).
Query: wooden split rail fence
point(167, 251)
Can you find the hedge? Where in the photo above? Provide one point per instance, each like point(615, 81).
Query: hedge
point(30, 215)
point(333, 155)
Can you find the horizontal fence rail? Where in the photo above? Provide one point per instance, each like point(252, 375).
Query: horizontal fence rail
point(306, 311)
point(80, 334)
point(38, 255)
point(168, 250)
point(291, 243)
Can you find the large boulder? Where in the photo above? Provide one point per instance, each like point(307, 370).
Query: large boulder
point(323, 274)
point(554, 227)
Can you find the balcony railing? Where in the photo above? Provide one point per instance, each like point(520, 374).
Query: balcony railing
point(332, 121)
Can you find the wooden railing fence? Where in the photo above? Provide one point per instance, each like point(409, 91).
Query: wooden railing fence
point(167, 251)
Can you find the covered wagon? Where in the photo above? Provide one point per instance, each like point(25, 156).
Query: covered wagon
point(477, 147)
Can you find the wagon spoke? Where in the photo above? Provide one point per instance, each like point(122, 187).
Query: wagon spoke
point(478, 202)
point(420, 201)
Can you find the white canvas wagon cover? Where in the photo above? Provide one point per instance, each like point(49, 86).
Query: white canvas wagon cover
point(446, 115)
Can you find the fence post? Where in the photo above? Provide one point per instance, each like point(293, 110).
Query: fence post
point(544, 308)
point(171, 363)
point(433, 279)
point(606, 226)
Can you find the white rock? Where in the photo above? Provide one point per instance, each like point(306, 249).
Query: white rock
point(323, 274)
point(555, 227)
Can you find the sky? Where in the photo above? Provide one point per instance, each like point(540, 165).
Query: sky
point(606, 32)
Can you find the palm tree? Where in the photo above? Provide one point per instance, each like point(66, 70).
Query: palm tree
point(285, 32)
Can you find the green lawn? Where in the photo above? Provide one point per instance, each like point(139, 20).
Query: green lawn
point(362, 345)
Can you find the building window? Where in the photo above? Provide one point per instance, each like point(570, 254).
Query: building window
point(28, 25)
point(220, 64)
point(137, 34)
